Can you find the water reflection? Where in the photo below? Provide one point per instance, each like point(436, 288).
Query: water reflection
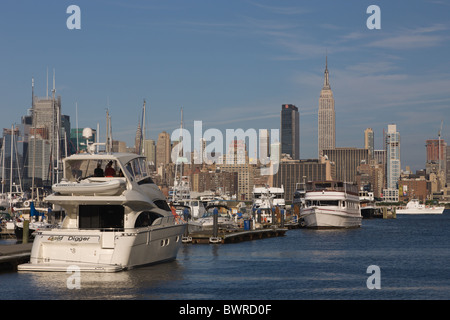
point(119, 285)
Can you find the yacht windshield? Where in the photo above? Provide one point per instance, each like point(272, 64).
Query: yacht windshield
point(85, 168)
point(138, 170)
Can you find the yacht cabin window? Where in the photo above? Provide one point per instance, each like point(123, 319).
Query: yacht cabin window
point(104, 217)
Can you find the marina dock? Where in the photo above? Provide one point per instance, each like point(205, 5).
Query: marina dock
point(205, 237)
point(14, 254)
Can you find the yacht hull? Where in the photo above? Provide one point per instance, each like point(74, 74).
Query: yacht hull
point(323, 218)
point(435, 210)
point(103, 251)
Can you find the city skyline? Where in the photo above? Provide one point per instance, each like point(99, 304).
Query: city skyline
point(231, 65)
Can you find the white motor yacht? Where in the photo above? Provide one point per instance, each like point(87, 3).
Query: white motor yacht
point(415, 207)
point(114, 221)
point(331, 204)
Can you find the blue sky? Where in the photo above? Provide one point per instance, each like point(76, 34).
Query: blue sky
point(232, 64)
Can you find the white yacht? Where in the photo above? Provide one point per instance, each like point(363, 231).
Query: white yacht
point(225, 219)
point(114, 221)
point(331, 204)
point(277, 195)
point(415, 207)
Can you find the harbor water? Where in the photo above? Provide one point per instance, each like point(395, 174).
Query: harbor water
point(411, 251)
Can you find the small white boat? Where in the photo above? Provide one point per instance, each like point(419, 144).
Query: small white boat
point(415, 207)
point(91, 186)
point(225, 219)
point(331, 204)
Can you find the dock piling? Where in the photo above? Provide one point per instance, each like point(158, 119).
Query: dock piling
point(26, 227)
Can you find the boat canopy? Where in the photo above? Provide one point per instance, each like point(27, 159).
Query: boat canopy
point(133, 167)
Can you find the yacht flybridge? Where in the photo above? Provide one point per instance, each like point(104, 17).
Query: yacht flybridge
point(116, 218)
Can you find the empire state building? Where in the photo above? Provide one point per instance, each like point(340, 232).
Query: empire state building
point(327, 122)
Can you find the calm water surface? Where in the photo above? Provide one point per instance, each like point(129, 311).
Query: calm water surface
point(412, 251)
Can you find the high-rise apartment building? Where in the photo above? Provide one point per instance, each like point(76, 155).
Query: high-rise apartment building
point(163, 149)
point(290, 131)
point(327, 116)
point(369, 141)
point(150, 151)
point(393, 165)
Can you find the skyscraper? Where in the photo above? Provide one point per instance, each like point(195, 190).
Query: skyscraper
point(369, 141)
point(290, 131)
point(327, 122)
point(163, 149)
point(392, 147)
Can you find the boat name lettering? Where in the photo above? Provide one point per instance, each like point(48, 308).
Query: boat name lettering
point(55, 238)
point(78, 238)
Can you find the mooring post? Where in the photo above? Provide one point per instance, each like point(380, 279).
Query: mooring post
point(186, 219)
point(26, 227)
point(215, 222)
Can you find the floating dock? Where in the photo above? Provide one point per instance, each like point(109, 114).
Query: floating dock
point(223, 236)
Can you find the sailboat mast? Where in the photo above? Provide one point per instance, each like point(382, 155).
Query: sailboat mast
point(143, 128)
point(33, 119)
point(3, 166)
point(11, 168)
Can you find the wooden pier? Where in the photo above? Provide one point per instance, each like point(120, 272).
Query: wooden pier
point(13, 255)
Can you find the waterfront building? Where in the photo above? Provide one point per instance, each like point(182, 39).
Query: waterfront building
point(290, 131)
point(390, 195)
point(413, 188)
point(327, 116)
point(347, 161)
point(369, 141)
